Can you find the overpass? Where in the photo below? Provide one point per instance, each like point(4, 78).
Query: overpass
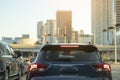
point(36, 48)
point(26, 47)
point(31, 49)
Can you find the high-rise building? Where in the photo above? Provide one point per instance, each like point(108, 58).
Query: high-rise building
point(40, 31)
point(64, 25)
point(51, 31)
point(117, 13)
point(102, 18)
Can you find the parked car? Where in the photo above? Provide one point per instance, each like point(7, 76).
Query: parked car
point(23, 63)
point(69, 61)
point(10, 64)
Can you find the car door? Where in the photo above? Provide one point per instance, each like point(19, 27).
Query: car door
point(12, 60)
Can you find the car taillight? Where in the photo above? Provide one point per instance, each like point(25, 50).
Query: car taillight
point(102, 67)
point(38, 67)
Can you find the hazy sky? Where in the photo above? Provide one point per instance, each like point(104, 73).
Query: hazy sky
point(19, 17)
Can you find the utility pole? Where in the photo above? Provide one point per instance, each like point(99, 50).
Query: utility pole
point(115, 38)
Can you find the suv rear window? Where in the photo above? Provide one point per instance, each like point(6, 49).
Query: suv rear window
point(72, 55)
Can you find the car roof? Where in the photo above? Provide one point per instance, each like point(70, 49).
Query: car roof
point(81, 46)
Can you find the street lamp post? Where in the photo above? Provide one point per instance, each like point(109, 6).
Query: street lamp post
point(115, 38)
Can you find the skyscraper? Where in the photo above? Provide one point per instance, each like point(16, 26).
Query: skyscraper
point(117, 13)
point(51, 31)
point(40, 31)
point(64, 24)
point(102, 18)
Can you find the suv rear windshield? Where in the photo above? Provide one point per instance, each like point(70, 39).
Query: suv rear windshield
point(72, 55)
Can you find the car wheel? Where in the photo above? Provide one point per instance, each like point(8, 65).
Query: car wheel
point(6, 75)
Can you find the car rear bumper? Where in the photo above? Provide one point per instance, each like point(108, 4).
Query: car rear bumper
point(70, 78)
point(102, 76)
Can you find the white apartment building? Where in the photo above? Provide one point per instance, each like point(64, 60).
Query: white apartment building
point(40, 31)
point(51, 31)
point(102, 18)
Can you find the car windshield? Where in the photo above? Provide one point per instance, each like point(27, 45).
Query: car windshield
point(72, 55)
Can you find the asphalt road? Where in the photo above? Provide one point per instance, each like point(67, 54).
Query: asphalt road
point(115, 71)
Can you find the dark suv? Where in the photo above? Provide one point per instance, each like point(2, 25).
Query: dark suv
point(69, 62)
point(10, 64)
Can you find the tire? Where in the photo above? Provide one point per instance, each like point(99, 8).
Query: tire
point(6, 75)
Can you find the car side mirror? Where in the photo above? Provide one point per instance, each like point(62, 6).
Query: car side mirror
point(18, 54)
